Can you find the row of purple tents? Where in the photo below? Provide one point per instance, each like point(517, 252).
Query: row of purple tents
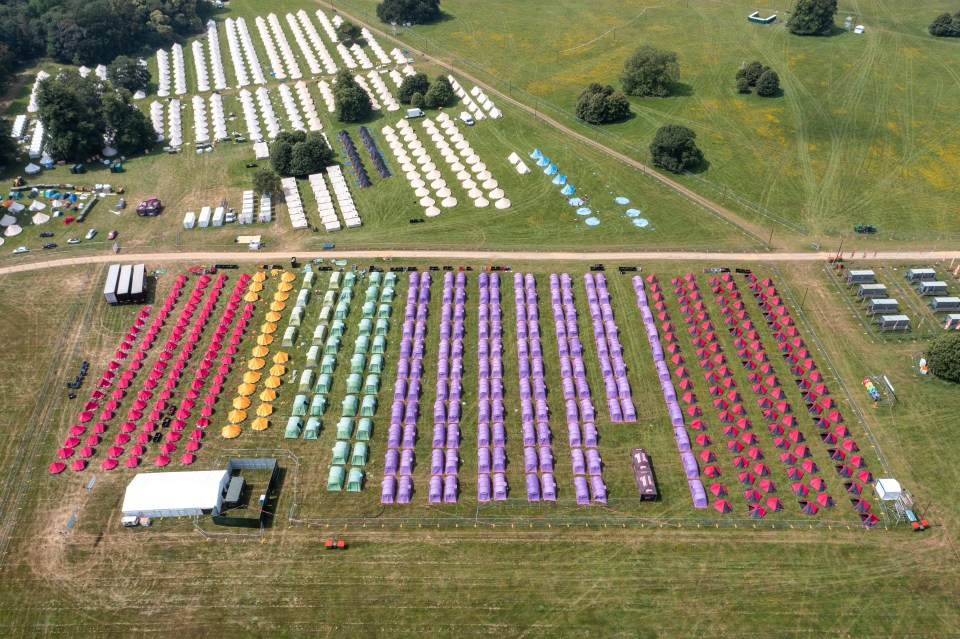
point(490, 391)
point(607, 339)
point(690, 466)
point(565, 319)
point(404, 412)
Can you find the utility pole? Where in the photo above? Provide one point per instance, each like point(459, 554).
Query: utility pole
point(839, 250)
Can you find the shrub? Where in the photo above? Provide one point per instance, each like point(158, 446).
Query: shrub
point(649, 72)
point(674, 148)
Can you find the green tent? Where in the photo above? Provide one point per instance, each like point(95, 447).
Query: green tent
point(346, 296)
point(326, 313)
point(387, 296)
point(360, 452)
point(375, 278)
point(368, 310)
point(349, 406)
point(361, 345)
point(320, 334)
point(337, 327)
point(376, 364)
point(318, 406)
point(355, 481)
point(341, 451)
point(289, 337)
point(333, 345)
point(372, 294)
point(308, 279)
point(312, 431)
point(372, 385)
point(306, 380)
point(383, 327)
point(300, 405)
point(294, 426)
point(296, 316)
point(328, 363)
point(353, 383)
point(335, 479)
point(364, 429)
point(369, 406)
point(390, 279)
point(344, 428)
point(383, 311)
point(313, 355)
point(303, 298)
point(342, 310)
point(357, 364)
point(365, 327)
point(329, 298)
point(379, 345)
point(335, 280)
point(349, 279)
point(324, 383)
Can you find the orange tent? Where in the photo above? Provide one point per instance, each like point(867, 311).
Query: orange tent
point(231, 431)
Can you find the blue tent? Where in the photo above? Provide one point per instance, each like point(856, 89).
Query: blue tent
point(550, 170)
point(568, 189)
point(536, 155)
point(560, 179)
point(543, 161)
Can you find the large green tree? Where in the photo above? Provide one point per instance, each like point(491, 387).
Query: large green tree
point(812, 17)
point(127, 73)
point(946, 25)
point(943, 358)
point(348, 32)
point(599, 104)
point(416, 83)
point(674, 148)
point(649, 72)
point(440, 93)
point(351, 102)
point(295, 153)
point(128, 129)
point(412, 11)
point(8, 146)
point(768, 84)
point(71, 110)
point(266, 182)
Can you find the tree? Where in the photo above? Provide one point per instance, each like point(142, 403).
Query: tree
point(127, 73)
point(8, 145)
point(599, 104)
point(295, 153)
point(416, 83)
point(127, 128)
point(440, 93)
point(649, 72)
point(943, 358)
point(946, 26)
point(417, 101)
point(352, 103)
point(412, 11)
point(812, 17)
point(348, 32)
point(768, 84)
point(743, 86)
point(751, 72)
point(266, 182)
point(71, 110)
point(674, 148)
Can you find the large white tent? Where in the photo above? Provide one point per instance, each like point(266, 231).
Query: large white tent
point(176, 494)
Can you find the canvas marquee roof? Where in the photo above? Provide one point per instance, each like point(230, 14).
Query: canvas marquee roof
point(175, 493)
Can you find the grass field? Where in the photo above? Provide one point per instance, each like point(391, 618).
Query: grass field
point(862, 133)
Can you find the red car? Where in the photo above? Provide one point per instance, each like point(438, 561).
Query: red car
point(111, 235)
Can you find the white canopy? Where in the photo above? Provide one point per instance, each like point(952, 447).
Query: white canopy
point(175, 494)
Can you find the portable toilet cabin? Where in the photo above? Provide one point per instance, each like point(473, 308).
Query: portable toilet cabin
point(354, 381)
point(951, 322)
point(313, 356)
point(921, 275)
point(942, 304)
point(932, 287)
point(299, 405)
point(893, 323)
point(335, 479)
point(861, 277)
point(218, 216)
point(204, 220)
point(372, 385)
point(319, 334)
point(306, 380)
point(189, 220)
point(382, 327)
point(296, 316)
point(294, 427)
point(345, 428)
point(360, 452)
point(355, 480)
point(312, 431)
point(318, 406)
point(368, 408)
point(328, 364)
point(324, 384)
point(303, 298)
point(349, 406)
point(882, 305)
point(341, 451)
point(364, 429)
point(376, 364)
point(867, 291)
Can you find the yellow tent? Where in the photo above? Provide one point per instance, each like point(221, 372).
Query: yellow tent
point(256, 364)
point(260, 351)
point(273, 316)
point(264, 410)
point(260, 423)
point(230, 431)
point(281, 357)
point(250, 377)
point(277, 306)
point(241, 402)
point(251, 297)
point(278, 369)
point(259, 276)
point(284, 286)
point(237, 416)
point(256, 287)
point(280, 296)
point(272, 382)
point(268, 395)
point(263, 340)
point(246, 389)
point(288, 277)
point(268, 327)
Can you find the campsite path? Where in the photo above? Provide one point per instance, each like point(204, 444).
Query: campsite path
point(492, 257)
point(756, 232)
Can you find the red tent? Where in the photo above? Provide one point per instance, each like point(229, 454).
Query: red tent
point(65, 453)
point(694, 411)
point(734, 446)
point(750, 439)
point(746, 478)
point(810, 466)
point(852, 487)
point(702, 439)
point(109, 463)
point(755, 453)
point(808, 507)
point(132, 461)
point(788, 458)
point(802, 451)
point(761, 469)
point(161, 460)
point(723, 506)
point(818, 484)
point(799, 488)
point(718, 489)
point(711, 471)
point(768, 486)
point(707, 456)
point(859, 505)
point(752, 496)
point(740, 462)
point(57, 467)
point(774, 504)
point(825, 500)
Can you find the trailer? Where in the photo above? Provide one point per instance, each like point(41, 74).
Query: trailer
point(951, 322)
point(189, 220)
point(868, 291)
point(932, 288)
point(110, 288)
point(882, 305)
point(921, 274)
point(138, 283)
point(889, 323)
point(941, 304)
point(218, 216)
point(204, 220)
point(861, 277)
point(123, 284)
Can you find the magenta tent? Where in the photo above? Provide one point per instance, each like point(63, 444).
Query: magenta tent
point(187, 459)
point(99, 427)
point(121, 439)
point(71, 442)
point(138, 450)
point(86, 451)
point(192, 446)
point(143, 438)
point(77, 430)
point(78, 465)
point(93, 440)
point(161, 460)
point(132, 461)
point(109, 463)
point(65, 453)
point(57, 467)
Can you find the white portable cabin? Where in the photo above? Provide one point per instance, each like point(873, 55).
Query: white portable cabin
point(189, 220)
point(882, 305)
point(218, 215)
point(952, 321)
point(921, 274)
point(266, 209)
point(861, 277)
point(932, 288)
point(867, 291)
point(941, 304)
point(204, 220)
point(893, 323)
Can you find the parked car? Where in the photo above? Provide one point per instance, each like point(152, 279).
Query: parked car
point(20, 249)
point(73, 240)
point(122, 204)
point(50, 245)
point(47, 234)
point(112, 235)
point(466, 118)
point(150, 207)
point(90, 234)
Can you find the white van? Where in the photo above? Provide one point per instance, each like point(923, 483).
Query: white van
point(414, 113)
point(466, 118)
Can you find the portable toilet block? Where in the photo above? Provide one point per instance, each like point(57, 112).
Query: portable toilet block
point(218, 216)
point(189, 220)
point(204, 220)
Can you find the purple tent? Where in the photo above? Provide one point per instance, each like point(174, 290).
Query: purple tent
point(578, 461)
point(484, 488)
point(580, 490)
point(450, 489)
point(388, 490)
point(530, 460)
point(405, 490)
point(594, 464)
point(697, 493)
point(435, 494)
point(599, 489)
point(690, 466)
point(499, 487)
point(533, 488)
point(499, 460)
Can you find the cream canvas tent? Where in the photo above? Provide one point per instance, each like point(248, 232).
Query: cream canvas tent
point(175, 494)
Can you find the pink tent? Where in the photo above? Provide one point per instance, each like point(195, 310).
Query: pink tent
point(138, 450)
point(187, 459)
point(65, 453)
point(161, 460)
point(109, 463)
point(192, 446)
point(174, 436)
point(93, 440)
point(143, 438)
point(99, 427)
point(77, 430)
point(71, 442)
point(132, 461)
point(78, 465)
point(121, 439)
point(57, 467)
point(86, 451)
point(168, 448)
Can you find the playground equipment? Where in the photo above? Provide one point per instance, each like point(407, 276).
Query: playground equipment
point(874, 393)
